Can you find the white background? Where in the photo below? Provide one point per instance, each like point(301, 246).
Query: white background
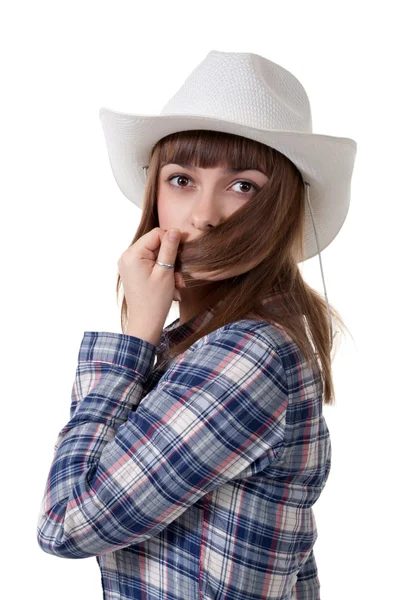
point(64, 224)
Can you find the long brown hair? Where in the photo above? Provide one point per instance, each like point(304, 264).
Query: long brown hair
point(268, 227)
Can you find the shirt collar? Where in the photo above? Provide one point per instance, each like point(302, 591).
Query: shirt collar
point(175, 332)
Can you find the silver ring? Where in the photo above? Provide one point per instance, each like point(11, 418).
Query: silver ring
point(165, 265)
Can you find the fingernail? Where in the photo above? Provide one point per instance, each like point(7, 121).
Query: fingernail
point(173, 235)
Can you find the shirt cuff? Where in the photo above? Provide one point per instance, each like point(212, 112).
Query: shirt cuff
point(120, 349)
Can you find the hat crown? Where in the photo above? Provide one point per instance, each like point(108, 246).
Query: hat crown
point(244, 88)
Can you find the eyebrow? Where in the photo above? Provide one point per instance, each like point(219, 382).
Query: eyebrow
point(225, 171)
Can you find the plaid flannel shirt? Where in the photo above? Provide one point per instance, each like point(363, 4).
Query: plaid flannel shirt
point(195, 481)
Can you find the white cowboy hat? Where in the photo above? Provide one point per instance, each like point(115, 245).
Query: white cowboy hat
point(248, 95)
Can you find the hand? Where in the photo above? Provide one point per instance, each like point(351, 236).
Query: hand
point(149, 288)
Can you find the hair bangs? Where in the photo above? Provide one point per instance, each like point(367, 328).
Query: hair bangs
point(208, 149)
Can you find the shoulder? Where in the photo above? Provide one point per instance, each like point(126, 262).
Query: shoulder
point(243, 340)
point(264, 332)
point(264, 340)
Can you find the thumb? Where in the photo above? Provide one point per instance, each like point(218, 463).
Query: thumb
point(174, 235)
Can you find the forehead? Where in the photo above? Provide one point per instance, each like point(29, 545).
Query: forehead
point(224, 170)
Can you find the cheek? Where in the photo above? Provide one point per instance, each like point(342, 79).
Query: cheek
point(164, 214)
point(169, 209)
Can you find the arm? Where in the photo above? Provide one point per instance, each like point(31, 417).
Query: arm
point(111, 362)
point(119, 476)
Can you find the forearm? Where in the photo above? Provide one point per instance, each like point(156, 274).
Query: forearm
point(110, 375)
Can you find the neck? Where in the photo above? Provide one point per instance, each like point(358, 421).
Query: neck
point(194, 300)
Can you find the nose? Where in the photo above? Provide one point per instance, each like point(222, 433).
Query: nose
point(207, 211)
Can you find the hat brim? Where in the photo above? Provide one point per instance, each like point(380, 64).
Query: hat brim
point(325, 162)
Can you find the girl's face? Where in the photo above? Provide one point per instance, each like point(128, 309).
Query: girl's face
point(194, 199)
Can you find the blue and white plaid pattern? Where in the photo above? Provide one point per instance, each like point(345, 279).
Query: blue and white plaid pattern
point(196, 481)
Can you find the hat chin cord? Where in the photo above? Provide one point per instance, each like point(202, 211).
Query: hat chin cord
point(320, 264)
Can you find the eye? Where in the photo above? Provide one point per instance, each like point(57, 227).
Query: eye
point(256, 188)
point(177, 177)
point(241, 182)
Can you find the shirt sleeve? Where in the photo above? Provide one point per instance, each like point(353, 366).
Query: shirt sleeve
point(123, 470)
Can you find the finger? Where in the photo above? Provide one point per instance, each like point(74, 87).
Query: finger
point(179, 281)
point(177, 296)
point(169, 246)
point(148, 245)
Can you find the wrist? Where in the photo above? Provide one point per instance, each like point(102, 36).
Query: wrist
point(144, 334)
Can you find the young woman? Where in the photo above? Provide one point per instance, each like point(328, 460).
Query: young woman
point(194, 476)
